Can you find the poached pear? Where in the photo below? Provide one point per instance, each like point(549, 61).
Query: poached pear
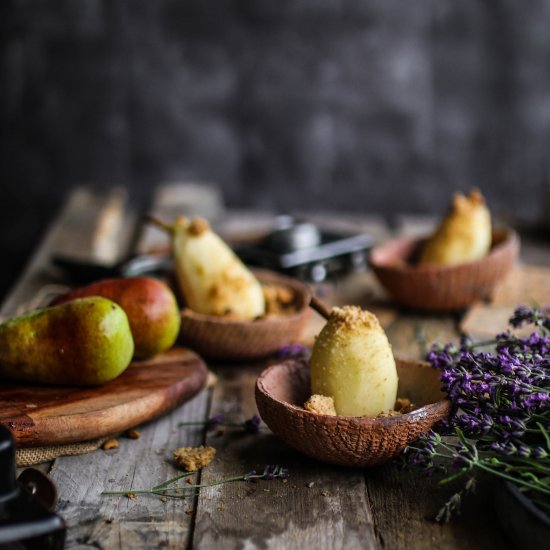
point(464, 235)
point(212, 279)
point(150, 305)
point(352, 362)
point(85, 342)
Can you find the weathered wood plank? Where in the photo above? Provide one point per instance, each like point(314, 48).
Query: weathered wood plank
point(528, 285)
point(321, 506)
point(405, 503)
point(102, 521)
point(412, 334)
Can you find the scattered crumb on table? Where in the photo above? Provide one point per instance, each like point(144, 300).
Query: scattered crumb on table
point(192, 459)
point(110, 444)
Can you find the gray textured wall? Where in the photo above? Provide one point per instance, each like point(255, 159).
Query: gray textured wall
point(370, 105)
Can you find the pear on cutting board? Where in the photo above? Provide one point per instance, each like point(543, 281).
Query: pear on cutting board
point(212, 279)
point(352, 362)
point(84, 342)
point(464, 235)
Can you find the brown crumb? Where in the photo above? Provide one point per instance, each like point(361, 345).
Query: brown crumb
point(189, 512)
point(110, 444)
point(131, 496)
point(324, 493)
point(279, 299)
point(164, 499)
point(193, 458)
point(133, 434)
point(108, 520)
point(354, 318)
point(403, 405)
point(211, 380)
point(320, 404)
point(189, 481)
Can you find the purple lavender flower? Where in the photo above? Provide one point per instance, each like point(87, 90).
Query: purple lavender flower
point(525, 315)
point(252, 425)
point(500, 407)
point(539, 453)
point(293, 351)
point(214, 421)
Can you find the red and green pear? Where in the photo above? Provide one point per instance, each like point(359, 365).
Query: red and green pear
point(150, 305)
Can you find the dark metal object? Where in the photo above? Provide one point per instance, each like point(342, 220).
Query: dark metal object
point(27, 520)
point(83, 272)
point(307, 251)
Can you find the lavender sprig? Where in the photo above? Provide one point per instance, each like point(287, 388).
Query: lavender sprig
point(501, 409)
point(294, 351)
point(525, 315)
point(167, 489)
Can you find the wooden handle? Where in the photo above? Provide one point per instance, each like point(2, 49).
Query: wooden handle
point(319, 307)
point(159, 223)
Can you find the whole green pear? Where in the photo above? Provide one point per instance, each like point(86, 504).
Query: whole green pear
point(150, 305)
point(84, 342)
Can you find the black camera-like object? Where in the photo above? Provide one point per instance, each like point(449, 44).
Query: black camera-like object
point(306, 251)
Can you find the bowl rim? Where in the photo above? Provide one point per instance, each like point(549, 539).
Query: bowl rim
point(510, 239)
point(263, 275)
point(362, 421)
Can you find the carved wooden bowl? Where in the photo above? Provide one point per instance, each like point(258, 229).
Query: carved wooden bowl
point(229, 339)
point(281, 391)
point(442, 288)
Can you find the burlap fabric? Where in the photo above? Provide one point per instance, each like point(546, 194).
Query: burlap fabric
point(30, 456)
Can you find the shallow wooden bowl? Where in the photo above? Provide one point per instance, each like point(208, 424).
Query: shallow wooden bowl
point(281, 391)
point(442, 288)
point(228, 339)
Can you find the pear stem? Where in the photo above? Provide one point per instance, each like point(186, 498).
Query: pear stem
point(319, 307)
point(159, 223)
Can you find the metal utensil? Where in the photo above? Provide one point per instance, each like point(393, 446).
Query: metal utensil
point(27, 519)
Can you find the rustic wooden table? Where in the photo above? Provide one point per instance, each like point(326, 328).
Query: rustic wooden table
point(320, 506)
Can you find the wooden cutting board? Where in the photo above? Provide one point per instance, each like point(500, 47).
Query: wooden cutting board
point(55, 415)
